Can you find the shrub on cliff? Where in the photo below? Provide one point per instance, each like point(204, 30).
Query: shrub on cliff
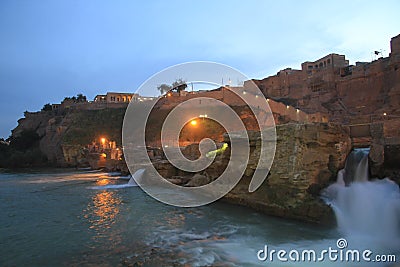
point(24, 141)
point(47, 107)
point(88, 125)
point(23, 151)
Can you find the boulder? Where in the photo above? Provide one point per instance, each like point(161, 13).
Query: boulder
point(198, 180)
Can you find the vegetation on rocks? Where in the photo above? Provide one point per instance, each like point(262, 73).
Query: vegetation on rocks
point(89, 125)
point(22, 151)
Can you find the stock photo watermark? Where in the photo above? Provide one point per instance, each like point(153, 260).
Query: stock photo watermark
point(218, 106)
point(339, 253)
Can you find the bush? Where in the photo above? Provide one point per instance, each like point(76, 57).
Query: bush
point(47, 107)
point(24, 141)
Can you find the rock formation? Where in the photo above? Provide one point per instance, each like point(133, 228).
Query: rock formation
point(307, 159)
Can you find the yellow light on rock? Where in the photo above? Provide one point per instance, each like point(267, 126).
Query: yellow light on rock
point(193, 122)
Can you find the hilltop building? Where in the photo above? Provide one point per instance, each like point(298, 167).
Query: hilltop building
point(113, 97)
point(361, 92)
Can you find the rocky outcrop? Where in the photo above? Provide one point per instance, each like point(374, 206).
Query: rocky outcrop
point(307, 159)
point(64, 135)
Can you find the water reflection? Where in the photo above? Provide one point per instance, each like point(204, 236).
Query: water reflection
point(103, 210)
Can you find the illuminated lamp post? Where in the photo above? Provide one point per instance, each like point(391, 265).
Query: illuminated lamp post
point(103, 142)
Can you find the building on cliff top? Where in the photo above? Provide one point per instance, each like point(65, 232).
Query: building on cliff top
point(113, 97)
point(361, 92)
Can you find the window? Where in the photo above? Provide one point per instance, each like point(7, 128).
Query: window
point(310, 67)
point(329, 61)
point(117, 99)
point(113, 98)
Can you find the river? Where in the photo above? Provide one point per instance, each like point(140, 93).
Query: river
point(83, 218)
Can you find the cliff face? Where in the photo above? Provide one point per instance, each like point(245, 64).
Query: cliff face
point(307, 159)
point(63, 135)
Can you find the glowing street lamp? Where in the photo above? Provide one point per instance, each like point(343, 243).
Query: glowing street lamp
point(102, 140)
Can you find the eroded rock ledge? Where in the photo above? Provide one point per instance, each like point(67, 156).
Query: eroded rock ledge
point(307, 159)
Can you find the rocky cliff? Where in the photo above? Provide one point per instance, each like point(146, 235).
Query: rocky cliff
point(63, 135)
point(307, 159)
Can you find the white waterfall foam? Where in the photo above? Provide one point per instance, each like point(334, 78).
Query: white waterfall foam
point(132, 182)
point(363, 208)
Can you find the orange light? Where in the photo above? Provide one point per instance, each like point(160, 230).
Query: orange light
point(102, 182)
point(103, 140)
point(169, 94)
point(104, 155)
point(193, 122)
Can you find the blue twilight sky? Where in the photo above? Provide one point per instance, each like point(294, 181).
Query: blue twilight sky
point(50, 49)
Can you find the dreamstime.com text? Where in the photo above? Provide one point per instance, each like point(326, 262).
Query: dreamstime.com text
point(338, 254)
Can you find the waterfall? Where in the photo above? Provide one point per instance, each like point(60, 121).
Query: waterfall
point(356, 168)
point(365, 208)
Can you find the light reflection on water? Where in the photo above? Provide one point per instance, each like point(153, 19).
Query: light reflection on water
point(103, 209)
point(57, 220)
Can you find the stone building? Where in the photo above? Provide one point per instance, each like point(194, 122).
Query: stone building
point(330, 85)
point(113, 97)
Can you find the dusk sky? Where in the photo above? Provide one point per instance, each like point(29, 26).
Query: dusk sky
point(52, 49)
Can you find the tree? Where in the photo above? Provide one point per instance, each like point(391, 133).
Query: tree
point(77, 98)
point(25, 140)
point(163, 88)
point(179, 85)
point(80, 98)
point(47, 107)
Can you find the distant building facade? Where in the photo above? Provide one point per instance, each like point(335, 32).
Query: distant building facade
point(331, 85)
point(113, 97)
